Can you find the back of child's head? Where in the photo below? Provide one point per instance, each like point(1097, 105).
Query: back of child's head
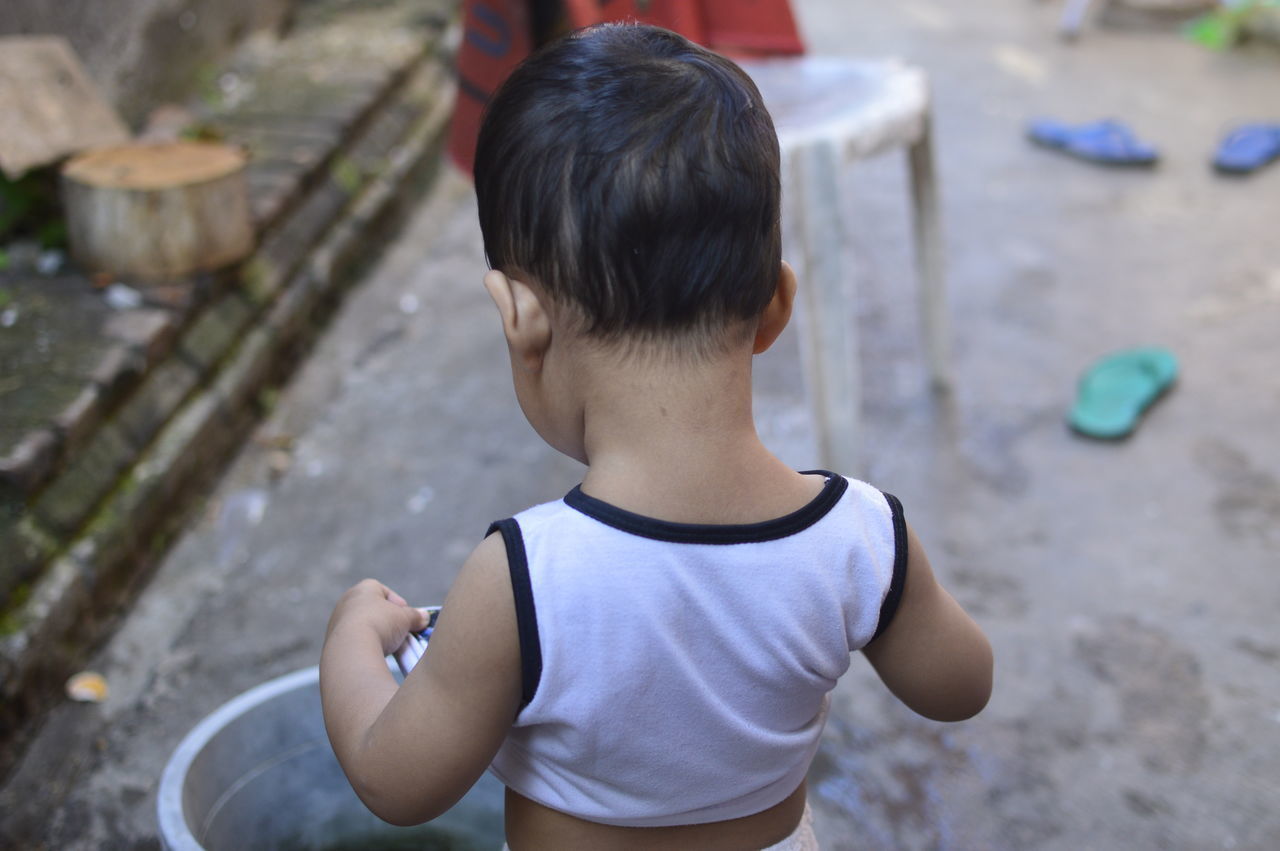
point(633, 177)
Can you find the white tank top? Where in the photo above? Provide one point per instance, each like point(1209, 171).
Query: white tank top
point(679, 673)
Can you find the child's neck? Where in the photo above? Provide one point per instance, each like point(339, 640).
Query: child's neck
point(679, 443)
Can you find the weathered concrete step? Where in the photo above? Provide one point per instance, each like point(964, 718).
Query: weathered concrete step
point(84, 541)
point(75, 361)
point(63, 370)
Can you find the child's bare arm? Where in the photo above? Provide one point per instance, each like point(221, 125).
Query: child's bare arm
point(932, 656)
point(411, 752)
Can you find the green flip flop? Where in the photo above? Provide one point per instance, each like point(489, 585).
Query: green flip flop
point(1116, 391)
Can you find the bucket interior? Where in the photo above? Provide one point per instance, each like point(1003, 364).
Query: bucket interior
point(266, 777)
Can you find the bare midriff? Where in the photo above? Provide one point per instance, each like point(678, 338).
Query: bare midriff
point(532, 826)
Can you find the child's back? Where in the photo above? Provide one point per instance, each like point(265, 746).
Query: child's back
point(646, 663)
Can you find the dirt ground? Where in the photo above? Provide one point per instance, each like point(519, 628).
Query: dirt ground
point(1129, 589)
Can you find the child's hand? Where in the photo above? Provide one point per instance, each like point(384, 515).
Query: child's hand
point(412, 749)
point(373, 605)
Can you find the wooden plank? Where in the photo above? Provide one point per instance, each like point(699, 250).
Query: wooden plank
point(49, 108)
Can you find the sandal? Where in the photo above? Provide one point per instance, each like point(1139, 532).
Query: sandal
point(1248, 148)
point(1108, 142)
point(1118, 389)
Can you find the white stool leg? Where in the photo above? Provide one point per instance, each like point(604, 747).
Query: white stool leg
point(1073, 17)
point(829, 334)
point(929, 264)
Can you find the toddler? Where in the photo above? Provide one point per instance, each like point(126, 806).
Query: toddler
point(645, 663)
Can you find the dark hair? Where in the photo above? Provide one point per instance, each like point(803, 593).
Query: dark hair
point(633, 175)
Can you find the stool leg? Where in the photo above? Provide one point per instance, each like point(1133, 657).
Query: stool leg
point(929, 264)
point(1073, 18)
point(828, 344)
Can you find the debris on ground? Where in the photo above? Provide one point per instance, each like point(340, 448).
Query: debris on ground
point(123, 297)
point(88, 687)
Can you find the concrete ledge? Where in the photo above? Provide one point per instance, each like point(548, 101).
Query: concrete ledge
point(93, 532)
point(72, 358)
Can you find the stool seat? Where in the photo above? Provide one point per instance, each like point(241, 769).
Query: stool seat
point(828, 111)
point(868, 106)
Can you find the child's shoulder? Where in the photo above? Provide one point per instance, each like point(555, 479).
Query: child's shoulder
point(542, 512)
point(868, 497)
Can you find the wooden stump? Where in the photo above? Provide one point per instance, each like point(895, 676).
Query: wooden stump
point(155, 211)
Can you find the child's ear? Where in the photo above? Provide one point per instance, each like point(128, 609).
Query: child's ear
point(778, 312)
point(525, 322)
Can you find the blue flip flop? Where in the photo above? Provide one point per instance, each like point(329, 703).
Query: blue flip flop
point(1108, 142)
point(1248, 148)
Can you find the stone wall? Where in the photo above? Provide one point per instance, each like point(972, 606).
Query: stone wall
point(344, 121)
point(144, 52)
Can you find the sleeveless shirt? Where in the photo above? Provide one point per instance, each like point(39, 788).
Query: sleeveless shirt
point(679, 673)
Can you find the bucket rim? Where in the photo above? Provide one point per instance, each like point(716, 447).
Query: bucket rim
point(174, 831)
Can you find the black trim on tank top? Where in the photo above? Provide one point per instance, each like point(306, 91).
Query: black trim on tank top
point(890, 605)
point(712, 533)
point(526, 612)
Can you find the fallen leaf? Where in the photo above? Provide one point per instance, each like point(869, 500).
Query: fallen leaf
point(88, 687)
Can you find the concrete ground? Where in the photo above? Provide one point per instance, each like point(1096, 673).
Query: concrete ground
point(1129, 589)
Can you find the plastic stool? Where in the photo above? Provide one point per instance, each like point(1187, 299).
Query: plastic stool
point(828, 111)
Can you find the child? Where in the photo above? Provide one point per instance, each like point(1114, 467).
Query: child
point(645, 663)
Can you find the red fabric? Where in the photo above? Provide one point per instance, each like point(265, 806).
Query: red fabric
point(683, 16)
point(496, 37)
point(753, 26)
